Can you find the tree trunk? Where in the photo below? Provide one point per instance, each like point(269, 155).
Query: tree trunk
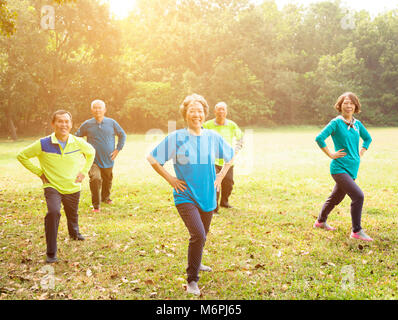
point(11, 127)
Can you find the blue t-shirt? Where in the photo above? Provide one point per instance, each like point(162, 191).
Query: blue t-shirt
point(347, 138)
point(193, 159)
point(102, 137)
point(63, 144)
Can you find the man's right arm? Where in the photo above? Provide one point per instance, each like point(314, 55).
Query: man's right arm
point(239, 138)
point(34, 150)
point(81, 132)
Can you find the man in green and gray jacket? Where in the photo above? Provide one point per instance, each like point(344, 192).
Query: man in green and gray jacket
point(230, 131)
point(62, 169)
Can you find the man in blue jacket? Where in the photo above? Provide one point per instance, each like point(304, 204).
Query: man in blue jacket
point(100, 132)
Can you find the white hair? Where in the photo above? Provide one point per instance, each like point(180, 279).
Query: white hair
point(219, 104)
point(102, 103)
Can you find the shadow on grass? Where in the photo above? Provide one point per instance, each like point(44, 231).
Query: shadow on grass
point(376, 211)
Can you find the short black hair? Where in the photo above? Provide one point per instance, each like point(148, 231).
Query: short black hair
point(60, 112)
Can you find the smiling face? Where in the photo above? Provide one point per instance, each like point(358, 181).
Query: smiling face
point(195, 115)
point(62, 125)
point(221, 112)
point(98, 110)
point(348, 104)
point(347, 107)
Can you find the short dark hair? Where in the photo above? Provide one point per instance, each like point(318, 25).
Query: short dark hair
point(59, 112)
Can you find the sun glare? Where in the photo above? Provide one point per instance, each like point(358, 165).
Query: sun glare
point(121, 8)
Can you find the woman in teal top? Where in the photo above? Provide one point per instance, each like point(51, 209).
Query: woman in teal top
point(345, 131)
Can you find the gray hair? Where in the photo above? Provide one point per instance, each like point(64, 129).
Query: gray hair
point(102, 103)
point(219, 104)
point(192, 99)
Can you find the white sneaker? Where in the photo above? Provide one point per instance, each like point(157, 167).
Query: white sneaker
point(193, 288)
point(361, 235)
point(205, 268)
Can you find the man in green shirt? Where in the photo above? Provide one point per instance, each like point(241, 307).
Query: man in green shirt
point(62, 169)
point(230, 131)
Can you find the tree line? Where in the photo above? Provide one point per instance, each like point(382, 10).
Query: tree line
point(271, 66)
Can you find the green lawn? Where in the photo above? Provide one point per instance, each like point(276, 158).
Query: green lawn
point(264, 248)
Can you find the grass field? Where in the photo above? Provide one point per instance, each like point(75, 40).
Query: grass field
point(264, 248)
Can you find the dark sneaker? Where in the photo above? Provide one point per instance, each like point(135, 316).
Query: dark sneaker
point(226, 205)
point(78, 237)
point(51, 260)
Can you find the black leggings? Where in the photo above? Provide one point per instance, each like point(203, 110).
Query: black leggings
point(344, 185)
point(198, 224)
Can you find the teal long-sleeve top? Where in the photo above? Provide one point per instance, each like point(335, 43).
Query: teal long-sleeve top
point(347, 138)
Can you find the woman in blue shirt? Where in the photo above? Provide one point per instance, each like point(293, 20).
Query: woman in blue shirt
point(194, 151)
point(345, 131)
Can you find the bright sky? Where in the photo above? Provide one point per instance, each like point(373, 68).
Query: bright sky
point(374, 7)
point(121, 8)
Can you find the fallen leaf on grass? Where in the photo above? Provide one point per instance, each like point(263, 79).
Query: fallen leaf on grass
point(149, 282)
point(328, 264)
point(26, 260)
point(101, 289)
point(44, 296)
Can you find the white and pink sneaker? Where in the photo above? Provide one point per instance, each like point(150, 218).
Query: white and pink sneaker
point(323, 225)
point(360, 235)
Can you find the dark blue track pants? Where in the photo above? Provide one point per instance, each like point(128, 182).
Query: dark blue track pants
point(198, 225)
point(51, 221)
